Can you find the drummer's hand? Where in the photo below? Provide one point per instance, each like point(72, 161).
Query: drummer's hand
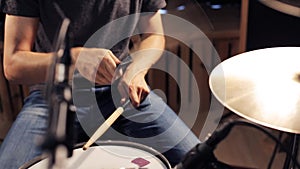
point(98, 65)
point(133, 85)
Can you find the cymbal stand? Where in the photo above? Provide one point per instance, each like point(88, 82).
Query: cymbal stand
point(293, 147)
point(274, 151)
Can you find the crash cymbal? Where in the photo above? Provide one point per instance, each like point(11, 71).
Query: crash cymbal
point(262, 86)
point(291, 7)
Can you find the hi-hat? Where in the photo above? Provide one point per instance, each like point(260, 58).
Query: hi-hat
point(262, 86)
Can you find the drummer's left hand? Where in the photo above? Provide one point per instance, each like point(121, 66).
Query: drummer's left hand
point(133, 85)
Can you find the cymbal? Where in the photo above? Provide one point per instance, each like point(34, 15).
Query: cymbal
point(262, 86)
point(291, 7)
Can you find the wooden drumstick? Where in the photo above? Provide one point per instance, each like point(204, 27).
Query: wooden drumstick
point(102, 129)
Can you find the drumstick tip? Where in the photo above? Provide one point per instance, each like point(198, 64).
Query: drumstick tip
point(86, 145)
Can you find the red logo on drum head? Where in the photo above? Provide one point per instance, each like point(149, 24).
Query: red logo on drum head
point(140, 162)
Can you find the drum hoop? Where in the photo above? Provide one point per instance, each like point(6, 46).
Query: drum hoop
point(150, 150)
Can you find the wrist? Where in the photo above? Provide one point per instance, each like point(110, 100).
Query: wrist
point(75, 51)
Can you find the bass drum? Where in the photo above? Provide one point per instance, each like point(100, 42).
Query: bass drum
point(109, 155)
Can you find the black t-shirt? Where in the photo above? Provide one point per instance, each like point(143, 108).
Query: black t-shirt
point(87, 17)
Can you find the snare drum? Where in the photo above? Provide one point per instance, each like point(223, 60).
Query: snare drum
point(109, 155)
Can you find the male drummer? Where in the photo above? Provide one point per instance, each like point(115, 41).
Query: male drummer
point(30, 28)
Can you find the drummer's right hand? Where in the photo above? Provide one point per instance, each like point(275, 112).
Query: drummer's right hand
point(98, 65)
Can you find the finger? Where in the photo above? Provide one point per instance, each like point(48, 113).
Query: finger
point(103, 74)
point(108, 67)
point(140, 93)
point(144, 95)
point(108, 72)
point(133, 95)
point(114, 58)
point(102, 80)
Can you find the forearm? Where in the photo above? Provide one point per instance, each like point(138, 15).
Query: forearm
point(147, 52)
point(25, 67)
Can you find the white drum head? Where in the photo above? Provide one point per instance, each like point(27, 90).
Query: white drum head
point(111, 155)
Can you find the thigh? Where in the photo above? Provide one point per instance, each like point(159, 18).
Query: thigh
point(21, 143)
point(92, 109)
point(154, 124)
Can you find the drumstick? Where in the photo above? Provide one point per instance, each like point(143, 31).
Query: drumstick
point(102, 129)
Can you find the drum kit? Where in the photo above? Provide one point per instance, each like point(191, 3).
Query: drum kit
point(262, 86)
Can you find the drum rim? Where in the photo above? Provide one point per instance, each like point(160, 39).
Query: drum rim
point(139, 146)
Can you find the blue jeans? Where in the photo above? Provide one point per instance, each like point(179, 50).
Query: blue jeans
point(153, 124)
